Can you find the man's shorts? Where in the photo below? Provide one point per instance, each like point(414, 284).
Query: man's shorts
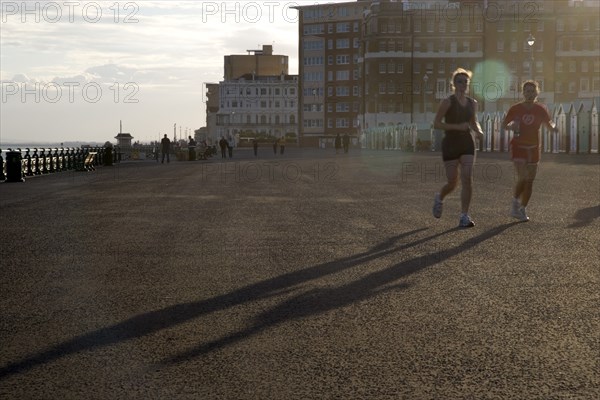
point(456, 145)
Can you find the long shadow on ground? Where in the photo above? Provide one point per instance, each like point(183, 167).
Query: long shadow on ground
point(310, 303)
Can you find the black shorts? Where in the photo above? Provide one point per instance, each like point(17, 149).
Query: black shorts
point(456, 145)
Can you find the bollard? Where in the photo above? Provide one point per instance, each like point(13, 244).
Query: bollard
point(108, 156)
point(14, 167)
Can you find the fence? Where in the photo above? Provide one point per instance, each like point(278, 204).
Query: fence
point(52, 160)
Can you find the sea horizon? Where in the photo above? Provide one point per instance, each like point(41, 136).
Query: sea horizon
point(45, 145)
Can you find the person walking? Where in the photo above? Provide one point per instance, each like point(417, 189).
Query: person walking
point(282, 145)
point(346, 142)
point(337, 143)
point(525, 119)
point(255, 147)
point(223, 144)
point(457, 116)
point(191, 149)
point(275, 146)
point(165, 145)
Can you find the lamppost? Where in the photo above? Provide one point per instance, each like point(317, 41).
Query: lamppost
point(425, 79)
point(530, 43)
point(232, 129)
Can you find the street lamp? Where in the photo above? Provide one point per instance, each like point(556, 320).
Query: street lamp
point(530, 43)
point(425, 79)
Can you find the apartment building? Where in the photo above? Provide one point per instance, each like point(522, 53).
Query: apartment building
point(254, 106)
point(257, 98)
point(576, 70)
point(403, 53)
point(331, 81)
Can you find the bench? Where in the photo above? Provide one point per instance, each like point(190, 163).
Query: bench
point(88, 162)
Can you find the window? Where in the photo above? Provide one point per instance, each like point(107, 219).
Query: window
point(391, 88)
point(342, 59)
point(572, 66)
point(342, 91)
point(342, 107)
point(572, 87)
point(342, 43)
point(342, 123)
point(343, 27)
point(417, 25)
point(584, 85)
point(342, 75)
point(584, 66)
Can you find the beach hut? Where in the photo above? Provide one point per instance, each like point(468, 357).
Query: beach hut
point(594, 121)
point(583, 129)
point(572, 131)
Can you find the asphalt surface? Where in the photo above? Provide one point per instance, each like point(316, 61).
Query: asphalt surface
point(304, 276)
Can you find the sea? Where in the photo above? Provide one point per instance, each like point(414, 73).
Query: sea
point(14, 146)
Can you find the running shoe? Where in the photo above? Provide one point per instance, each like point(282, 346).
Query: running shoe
point(437, 206)
point(521, 215)
point(465, 221)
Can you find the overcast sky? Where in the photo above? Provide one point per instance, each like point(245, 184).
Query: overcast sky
point(71, 70)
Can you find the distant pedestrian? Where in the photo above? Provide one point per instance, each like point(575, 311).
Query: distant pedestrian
point(275, 146)
point(223, 144)
point(346, 142)
point(337, 143)
point(525, 119)
point(255, 147)
point(165, 145)
point(282, 145)
point(230, 148)
point(457, 116)
point(192, 148)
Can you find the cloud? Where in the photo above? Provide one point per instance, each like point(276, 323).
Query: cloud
point(166, 49)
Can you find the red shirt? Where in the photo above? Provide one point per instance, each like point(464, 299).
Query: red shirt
point(530, 117)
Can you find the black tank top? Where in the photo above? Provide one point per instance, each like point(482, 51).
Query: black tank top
point(458, 114)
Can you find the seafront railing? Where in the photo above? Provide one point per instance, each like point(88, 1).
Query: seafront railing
point(42, 161)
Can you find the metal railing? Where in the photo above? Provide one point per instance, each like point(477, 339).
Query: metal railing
point(42, 161)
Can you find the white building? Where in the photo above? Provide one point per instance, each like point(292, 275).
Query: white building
point(258, 106)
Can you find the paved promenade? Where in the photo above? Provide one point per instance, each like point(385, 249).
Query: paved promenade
point(302, 276)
